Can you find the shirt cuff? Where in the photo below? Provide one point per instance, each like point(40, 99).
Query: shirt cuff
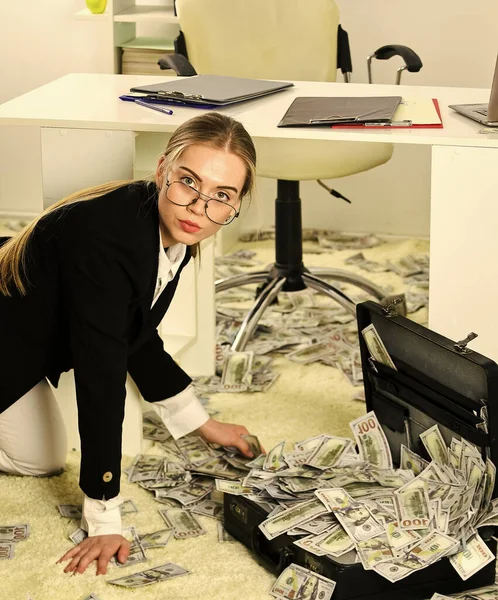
point(182, 413)
point(101, 517)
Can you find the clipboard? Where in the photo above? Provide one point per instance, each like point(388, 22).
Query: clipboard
point(213, 90)
point(398, 125)
point(336, 110)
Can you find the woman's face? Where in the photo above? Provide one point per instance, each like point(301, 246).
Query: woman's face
point(215, 173)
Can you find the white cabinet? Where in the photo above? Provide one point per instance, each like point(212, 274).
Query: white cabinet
point(138, 25)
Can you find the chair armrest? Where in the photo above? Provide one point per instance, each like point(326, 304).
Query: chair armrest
point(411, 58)
point(178, 63)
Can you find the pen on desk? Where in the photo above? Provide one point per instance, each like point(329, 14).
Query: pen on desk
point(161, 109)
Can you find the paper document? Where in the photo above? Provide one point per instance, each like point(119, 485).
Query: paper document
point(420, 111)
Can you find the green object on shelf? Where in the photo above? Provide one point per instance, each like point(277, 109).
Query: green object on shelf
point(97, 7)
point(149, 43)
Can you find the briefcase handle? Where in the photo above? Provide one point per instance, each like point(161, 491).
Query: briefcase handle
point(279, 559)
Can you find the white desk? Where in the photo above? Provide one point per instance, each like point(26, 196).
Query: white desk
point(464, 215)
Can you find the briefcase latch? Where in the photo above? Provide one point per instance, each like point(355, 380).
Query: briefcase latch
point(390, 309)
point(461, 346)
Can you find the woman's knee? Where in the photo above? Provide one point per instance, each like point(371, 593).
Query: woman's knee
point(33, 438)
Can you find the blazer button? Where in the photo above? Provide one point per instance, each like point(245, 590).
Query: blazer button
point(107, 476)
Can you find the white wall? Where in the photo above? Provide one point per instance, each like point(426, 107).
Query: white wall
point(456, 41)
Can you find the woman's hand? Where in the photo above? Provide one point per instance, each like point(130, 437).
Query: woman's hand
point(225, 434)
point(100, 548)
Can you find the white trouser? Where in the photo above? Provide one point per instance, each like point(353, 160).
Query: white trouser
point(33, 437)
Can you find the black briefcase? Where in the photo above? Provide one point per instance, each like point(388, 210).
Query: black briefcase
point(438, 382)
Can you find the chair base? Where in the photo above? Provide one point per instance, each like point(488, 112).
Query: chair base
point(274, 282)
point(288, 273)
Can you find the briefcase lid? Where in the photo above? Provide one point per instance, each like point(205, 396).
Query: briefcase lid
point(436, 381)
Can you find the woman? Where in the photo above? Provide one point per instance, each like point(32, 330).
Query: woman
point(84, 287)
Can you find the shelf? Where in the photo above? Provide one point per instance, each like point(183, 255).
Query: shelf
point(86, 15)
point(147, 14)
point(149, 43)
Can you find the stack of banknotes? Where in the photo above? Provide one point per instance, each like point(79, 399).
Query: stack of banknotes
point(342, 498)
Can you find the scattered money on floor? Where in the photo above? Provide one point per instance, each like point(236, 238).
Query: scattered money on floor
point(305, 326)
point(10, 535)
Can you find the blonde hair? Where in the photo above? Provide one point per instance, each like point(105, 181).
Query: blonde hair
point(211, 129)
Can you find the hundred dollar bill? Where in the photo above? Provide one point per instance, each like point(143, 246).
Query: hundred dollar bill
point(431, 548)
point(292, 517)
point(184, 524)
point(254, 444)
point(435, 445)
point(137, 553)
point(399, 538)
point(223, 535)
point(72, 511)
point(127, 507)
point(374, 551)
point(297, 582)
point(7, 550)
point(145, 467)
point(157, 539)
point(14, 533)
point(236, 375)
point(274, 460)
point(153, 432)
point(188, 494)
point(471, 560)
point(329, 452)
point(371, 440)
point(309, 444)
point(412, 508)
point(195, 450)
point(160, 573)
point(355, 518)
point(441, 597)
point(232, 487)
point(208, 508)
point(311, 353)
point(336, 542)
point(411, 460)
point(376, 346)
point(78, 536)
point(309, 544)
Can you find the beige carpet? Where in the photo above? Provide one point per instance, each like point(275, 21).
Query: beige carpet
point(305, 401)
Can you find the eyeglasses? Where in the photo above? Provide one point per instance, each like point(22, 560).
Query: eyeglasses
point(217, 211)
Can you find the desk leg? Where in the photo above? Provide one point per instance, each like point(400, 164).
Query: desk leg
point(199, 358)
point(464, 245)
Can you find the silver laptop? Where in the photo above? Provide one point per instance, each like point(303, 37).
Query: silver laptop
point(487, 114)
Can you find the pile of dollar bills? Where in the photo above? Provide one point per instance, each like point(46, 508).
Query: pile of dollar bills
point(339, 497)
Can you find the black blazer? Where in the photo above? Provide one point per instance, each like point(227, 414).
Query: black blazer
point(92, 270)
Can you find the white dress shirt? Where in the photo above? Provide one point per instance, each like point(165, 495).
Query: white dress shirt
point(182, 413)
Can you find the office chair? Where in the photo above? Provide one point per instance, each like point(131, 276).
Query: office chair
point(286, 40)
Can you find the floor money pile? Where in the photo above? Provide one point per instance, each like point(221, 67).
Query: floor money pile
point(341, 498)
point(394, 521)
point(305, 326)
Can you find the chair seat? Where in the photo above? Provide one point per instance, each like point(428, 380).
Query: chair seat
point(299, 160)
